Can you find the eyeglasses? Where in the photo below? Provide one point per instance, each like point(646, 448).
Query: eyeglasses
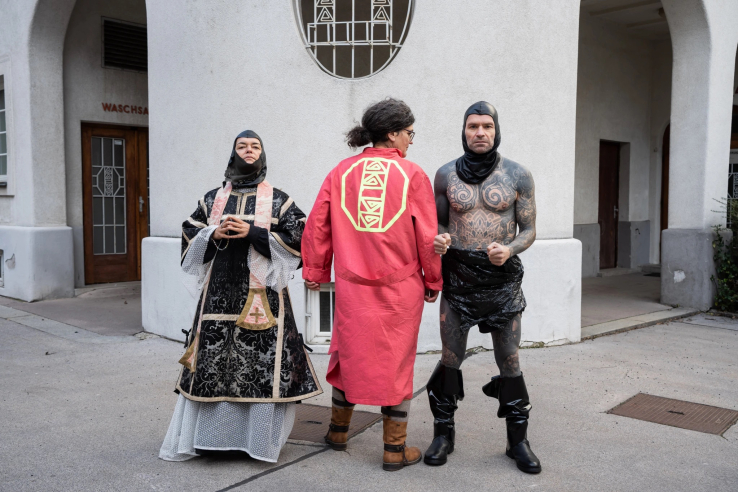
point(411, 133)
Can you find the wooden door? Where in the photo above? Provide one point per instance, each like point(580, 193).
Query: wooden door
point(115, 201)
point(608, 206)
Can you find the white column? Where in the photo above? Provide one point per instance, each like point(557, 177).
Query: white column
point(704, 36)
point(36, 242)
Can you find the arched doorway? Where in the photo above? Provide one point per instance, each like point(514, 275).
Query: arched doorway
point(105, 72)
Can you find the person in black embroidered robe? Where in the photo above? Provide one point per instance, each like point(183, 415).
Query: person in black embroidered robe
point(241, 377)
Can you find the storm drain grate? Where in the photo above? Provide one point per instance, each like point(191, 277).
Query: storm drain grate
point(311, 422)
point(677, 413)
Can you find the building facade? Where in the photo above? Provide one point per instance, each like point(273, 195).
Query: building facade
point(120, 114)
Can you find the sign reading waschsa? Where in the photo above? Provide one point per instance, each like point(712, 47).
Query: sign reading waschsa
point(125, 108)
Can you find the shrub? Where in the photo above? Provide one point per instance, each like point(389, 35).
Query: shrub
point(726, 272)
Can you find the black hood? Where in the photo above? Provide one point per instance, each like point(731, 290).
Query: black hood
point(472, 167)
point(240, 172)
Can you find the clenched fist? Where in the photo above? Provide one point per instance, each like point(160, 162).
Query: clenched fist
point(441, 243)
point(498, 253)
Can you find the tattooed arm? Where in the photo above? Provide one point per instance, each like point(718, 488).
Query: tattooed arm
point(525, 211)
point(440, 185)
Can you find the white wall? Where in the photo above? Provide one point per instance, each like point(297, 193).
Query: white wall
point(15, 23)
point(613, 103)
point(216, 69)
point(32, 207)
point(86, 86)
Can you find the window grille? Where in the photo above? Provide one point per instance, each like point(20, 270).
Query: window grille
point(320, 308)
point(108, 196)
point(353, 38)
point(3, 137)
point(124, 45)
point(732, 201)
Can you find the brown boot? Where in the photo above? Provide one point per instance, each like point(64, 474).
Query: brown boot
point(396, 454)
point(340, 420)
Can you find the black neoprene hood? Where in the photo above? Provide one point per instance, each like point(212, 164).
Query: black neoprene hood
point(472, 167)
point(240, 172)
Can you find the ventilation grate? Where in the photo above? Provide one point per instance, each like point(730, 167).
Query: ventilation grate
point(124, 46)
point(311, 422)
point(677, 413)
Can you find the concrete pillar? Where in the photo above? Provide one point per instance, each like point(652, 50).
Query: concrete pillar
point(704, 36)
point(35, 239)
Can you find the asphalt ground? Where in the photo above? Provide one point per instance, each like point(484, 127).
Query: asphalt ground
point(86, 412)
point(620, 296)
point(104, 309)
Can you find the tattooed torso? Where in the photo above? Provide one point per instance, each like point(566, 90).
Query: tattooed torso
point(476, 215)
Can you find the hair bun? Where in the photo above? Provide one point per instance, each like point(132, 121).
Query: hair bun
point(358, 136)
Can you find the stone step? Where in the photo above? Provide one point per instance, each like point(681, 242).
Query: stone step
point(651, 269)
point(634, 322)
point(611, 272)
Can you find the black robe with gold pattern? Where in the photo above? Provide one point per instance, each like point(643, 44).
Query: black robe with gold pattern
point(238, 364)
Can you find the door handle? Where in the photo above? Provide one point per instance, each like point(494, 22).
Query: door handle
point(140, 204)
point(614, 211)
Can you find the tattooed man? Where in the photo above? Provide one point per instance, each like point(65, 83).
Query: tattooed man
point(486, 215)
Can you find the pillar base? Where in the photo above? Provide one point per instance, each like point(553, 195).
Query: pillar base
point(167, 307)
point(686, 267)
point(38, 262)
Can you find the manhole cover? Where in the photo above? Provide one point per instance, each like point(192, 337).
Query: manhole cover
point(311, 422)
point(677, 413)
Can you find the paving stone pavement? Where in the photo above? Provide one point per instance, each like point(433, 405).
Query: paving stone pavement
point(88, 416)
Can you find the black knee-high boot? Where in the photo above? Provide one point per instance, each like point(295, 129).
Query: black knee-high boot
point(444, 388)
point(515, 408)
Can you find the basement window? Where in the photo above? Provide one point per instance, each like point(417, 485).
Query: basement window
point(319, 310)
point(124, 45)
point(3, 138)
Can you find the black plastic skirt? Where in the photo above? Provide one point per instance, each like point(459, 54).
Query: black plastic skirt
point(481, 293)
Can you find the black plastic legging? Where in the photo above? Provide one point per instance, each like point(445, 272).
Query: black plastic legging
point(506, 342)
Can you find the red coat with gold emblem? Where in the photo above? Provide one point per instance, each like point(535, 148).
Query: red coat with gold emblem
point(376, 215)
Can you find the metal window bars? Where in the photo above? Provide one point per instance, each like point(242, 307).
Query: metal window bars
point(731, 203)
point(376, 31)
point(3, 140)
point(109, 234)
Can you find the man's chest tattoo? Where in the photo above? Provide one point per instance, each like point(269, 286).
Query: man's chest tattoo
point(481, 214)
point(498, 192)
point(461, 196)
point(478, 228)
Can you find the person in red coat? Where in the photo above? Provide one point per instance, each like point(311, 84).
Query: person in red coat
point(376, 214)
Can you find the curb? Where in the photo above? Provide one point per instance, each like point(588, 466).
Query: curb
point(633, 323)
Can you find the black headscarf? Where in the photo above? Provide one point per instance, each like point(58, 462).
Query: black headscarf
point(471, 167)
point(240, 172)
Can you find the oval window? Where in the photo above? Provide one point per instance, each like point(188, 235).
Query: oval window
point(353, 39)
